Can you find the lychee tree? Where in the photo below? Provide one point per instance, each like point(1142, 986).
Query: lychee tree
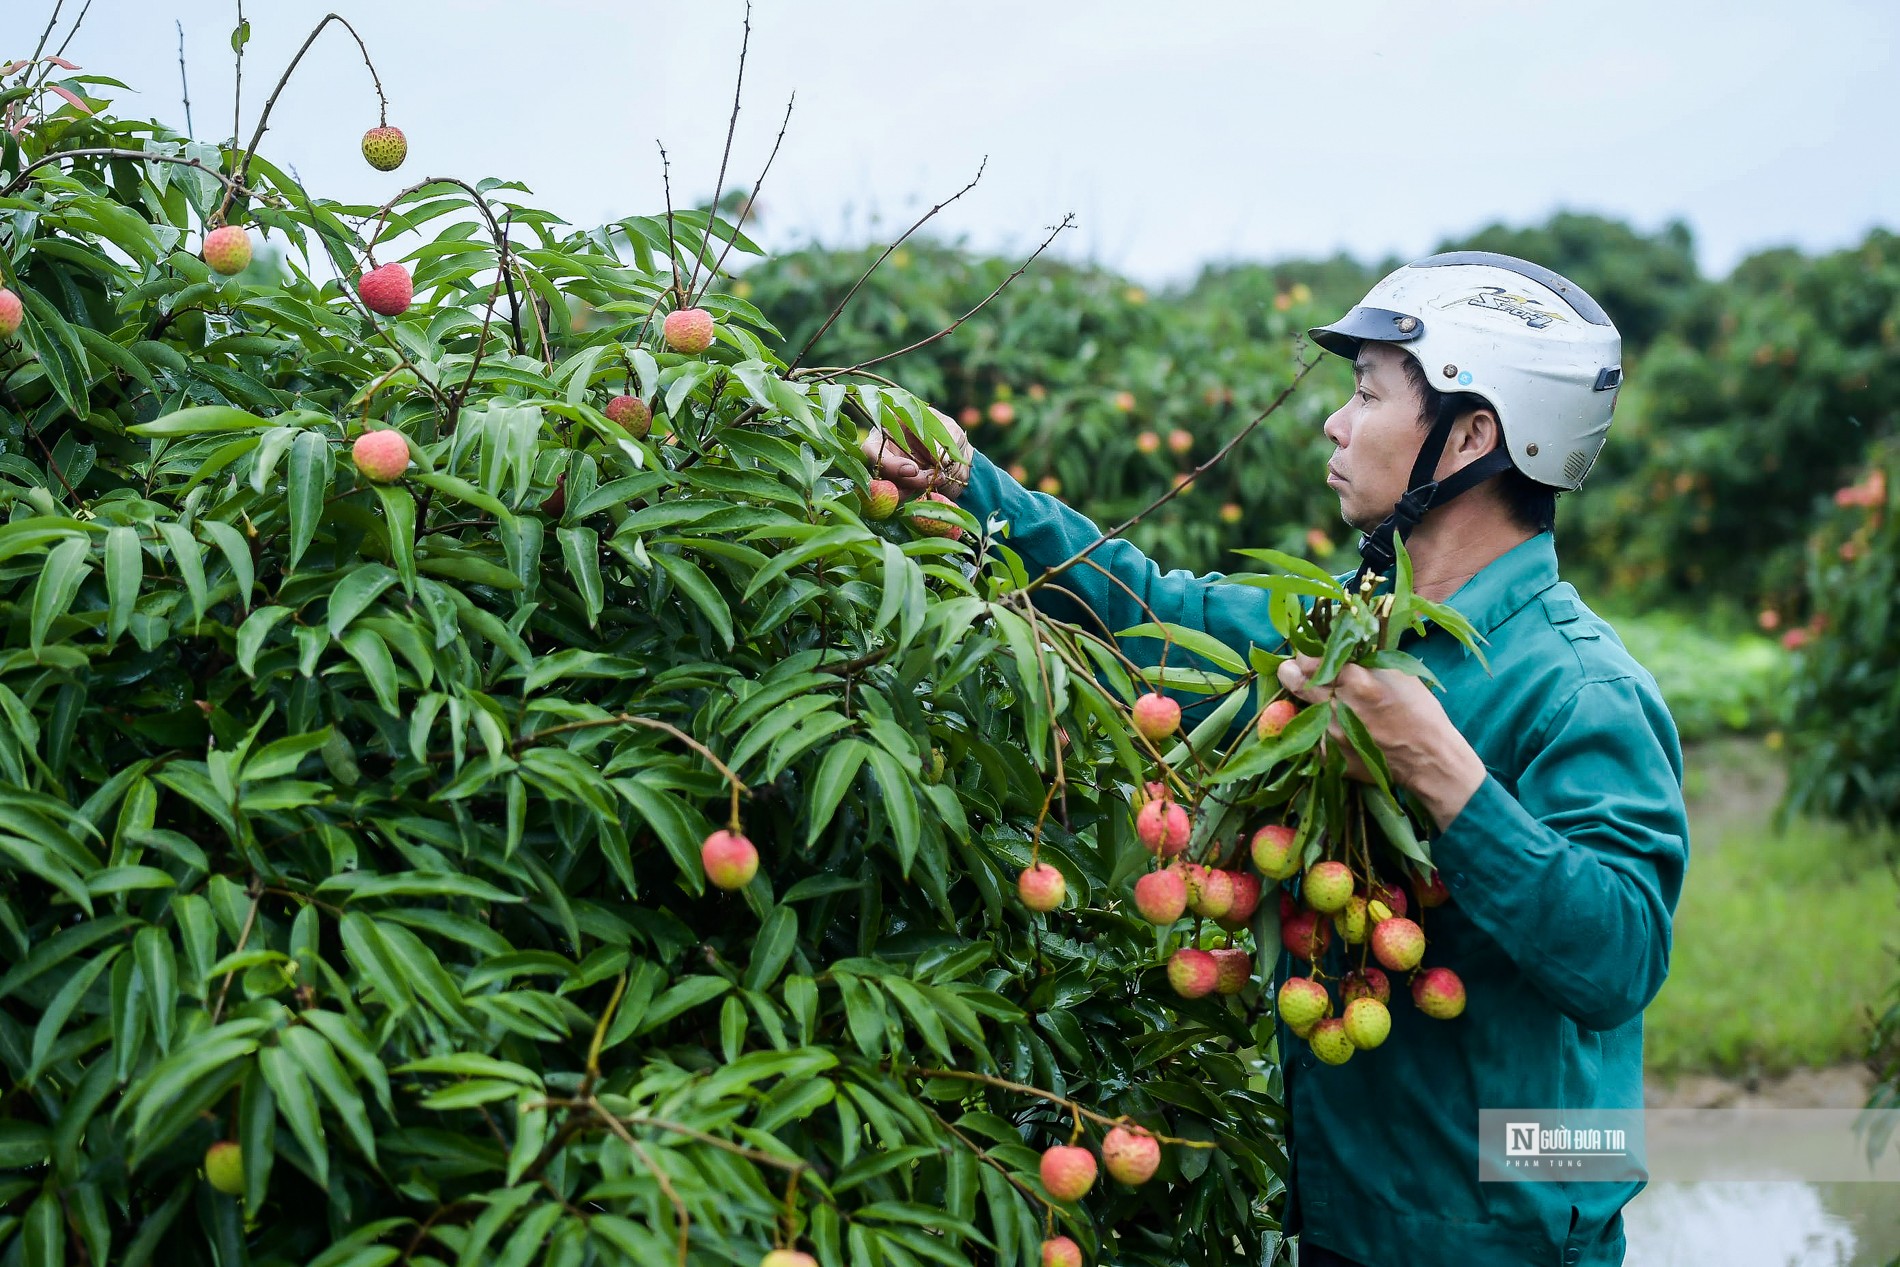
point(382, 691)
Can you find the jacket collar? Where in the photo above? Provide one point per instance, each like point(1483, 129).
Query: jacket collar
point(1500, 590)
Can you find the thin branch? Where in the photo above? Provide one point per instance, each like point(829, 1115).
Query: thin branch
point(732, 125)
point(263, 120)
point(77, 23)
point(839, 310)
point(1050, 573)
point(19, 181)
point(666, 1185)
point(47, 34)
point(250, 922)
point(1067, 221)
point(672, 244)
point(237, 97)
point(184, 84)
point(1098, 1118)
point(753, 198)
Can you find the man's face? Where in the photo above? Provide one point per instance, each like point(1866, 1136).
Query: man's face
point(1376, 434)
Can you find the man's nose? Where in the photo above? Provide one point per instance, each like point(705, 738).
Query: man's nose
point(1336, 429)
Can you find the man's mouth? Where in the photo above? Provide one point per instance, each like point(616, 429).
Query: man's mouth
point(1334, 477)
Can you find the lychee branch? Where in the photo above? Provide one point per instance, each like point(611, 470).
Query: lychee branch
point(495, 231)
point(1005, 1084)
point(752, 199)
point(628, 719)
point(19, 180)
point(725, 155)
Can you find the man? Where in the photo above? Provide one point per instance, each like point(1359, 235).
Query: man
point(1554, 778)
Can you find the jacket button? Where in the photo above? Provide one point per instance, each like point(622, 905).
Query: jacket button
point(1572, 1256)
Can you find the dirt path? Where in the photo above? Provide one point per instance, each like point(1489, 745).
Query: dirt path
point(1835, 1087)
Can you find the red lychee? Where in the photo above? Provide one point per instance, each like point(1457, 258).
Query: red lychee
point(556, 504)
point(12, 312)
point(1210, 891)
point(1330, 1041)
point(1366, 983)
point(1125, 402)
point(1193, 973)
point(970, 416)
point(688, 330)
point(387, 290)
point(1161, 896)
point(1231, 512)
point(1060, 1251)
point(1148, 442)
point(227, 250)
point(1398, 943)
point(1002, 413)
point(1303, 1002)
point(1180, 441)
point(1041, 887)
point(880, 499)
point(381, 456)
point(1131, 1156)
point(224, 1167)
point(1246, 900)
point(1275, 716)
point(1306, 934)
point(1328, 886)
point(1163, 827)
point(930, 526)
point(1156, 716)
point(1432, 892)
point(632, 413)
point(385, 148)
point(1235, 967)
point(1439, 993)
point(730, 859)
point(1273, 852)
point(1068, 1173)
point(788, 1258)
point(1391, 895)
point(1367, 1023)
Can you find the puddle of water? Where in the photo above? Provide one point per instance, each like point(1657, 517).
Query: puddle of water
point(1763, 1224)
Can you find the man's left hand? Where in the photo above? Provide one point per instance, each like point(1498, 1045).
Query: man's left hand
point(1423, 750)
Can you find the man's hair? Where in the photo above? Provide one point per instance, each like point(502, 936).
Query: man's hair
point(1530, 503)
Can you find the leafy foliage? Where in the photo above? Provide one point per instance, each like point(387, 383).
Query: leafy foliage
point(358, 823)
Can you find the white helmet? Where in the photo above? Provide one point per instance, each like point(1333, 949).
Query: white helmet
point(1530, 342)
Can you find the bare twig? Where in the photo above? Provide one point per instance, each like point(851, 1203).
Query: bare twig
point(47, 34)
point(1074, 1108)
point(732, 125)
point(628, 719)
point(250, 922)
point(839, 310)
point(672, 244)
point(751, 199)
point(77, 23)
point(184, 84)
point(666, 1185)
point(237, 94)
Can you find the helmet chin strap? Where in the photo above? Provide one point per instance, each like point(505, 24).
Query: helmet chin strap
point(1376, 550)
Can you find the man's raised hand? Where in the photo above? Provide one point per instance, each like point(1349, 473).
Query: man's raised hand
point(915, 464)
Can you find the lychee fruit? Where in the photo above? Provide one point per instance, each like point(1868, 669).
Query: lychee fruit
point(1156, 716)
point(1439, 993)
point(556, 504)
point(1210, 891)
point(1148, 442)
point(1231, 512)
point(1275, 716)
point(12, 312)
point(1060, 1251)
point(1180, 441)
point(1002, 413)
point(1068, 1173)
point(385, 148)
point(1163, 828)
point(387, 290)
point(1432, 892)
point(1328, 886)
point(1273, 852)
point(1367, 1023)
point(1049, 484)
point(1330, 1041)
point(1246, 900)
point(1391, 895)
point(1287, 905)
point(228, 250)
point(1398, 943)
point(1161, 896)
point(1131, 1156)
point(1366, 983)
point(1302, 1003)
point(381, 456)
point(1193, 973)
point(1041, 887)
point(730, 859)
point(1125, 402)
point(1235, 967)
point(1350, 920)
point(1306, 934)
point(786, 1257)
point(224, 1167)
point(880, 499)
point(688, 330)
point(970, 416)
point(632, 413)
point(933, 527)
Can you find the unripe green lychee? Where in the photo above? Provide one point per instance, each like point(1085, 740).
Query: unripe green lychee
point(730, 859)
point(1366, 983)
point(1367, 1023)
point(1161, 896)
point(1350, 921)
point(385, 148)
point(1210, 891)
point(1156, 716)
point(1163, 828)
point(1041, 887)
point(1398, 943)
point(788, 1258)
point(931, 526)
point(1303, 1002)
point(1329, 1041)
point(381, 455)
point(1328, 886)
point(880, 499)
point(1306, 934)
point(12, 312)
point(1068, 1173)
point(1273, 852)
point(1246, 900)
point(224, 1167)
point(632, 413)
point(1060, 1251)
point(1235, 967)
point(1132, 1156)
point(388, 290)
point(1275, 716)
point(228, 250)
point(1438, 993)
point(1432, 892)
point(1193, 973)
point(688, 330)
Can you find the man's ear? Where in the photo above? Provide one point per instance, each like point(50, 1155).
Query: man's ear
point(1475, 434)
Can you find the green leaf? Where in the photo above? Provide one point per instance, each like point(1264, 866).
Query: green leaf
point(297, 1103)
point(693, 582)
point(899, 805)
point(352, 596)
point(310, 471)
point(320, 1064)
point(1298, 567)
point(125, 574)
point(251, 635)
point(202, 420)
point(399, 516)
point(1201, 644)
point(580, 547)
point(66, 566)
point(772, 948)
point(834, 778)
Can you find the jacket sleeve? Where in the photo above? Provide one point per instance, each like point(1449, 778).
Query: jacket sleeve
point(1576, 876)
point(1044, 532)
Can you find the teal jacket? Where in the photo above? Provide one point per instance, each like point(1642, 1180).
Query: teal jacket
point(1564, 871)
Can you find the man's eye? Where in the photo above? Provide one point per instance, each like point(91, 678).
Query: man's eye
point(1363, 394)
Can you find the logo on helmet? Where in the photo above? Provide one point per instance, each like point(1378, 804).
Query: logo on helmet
point(1498, 299)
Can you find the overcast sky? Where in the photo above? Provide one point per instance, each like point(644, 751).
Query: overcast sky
point(1178, 136)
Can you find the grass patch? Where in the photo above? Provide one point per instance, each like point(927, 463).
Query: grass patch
point(1784, 938)
point(1714, 683)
